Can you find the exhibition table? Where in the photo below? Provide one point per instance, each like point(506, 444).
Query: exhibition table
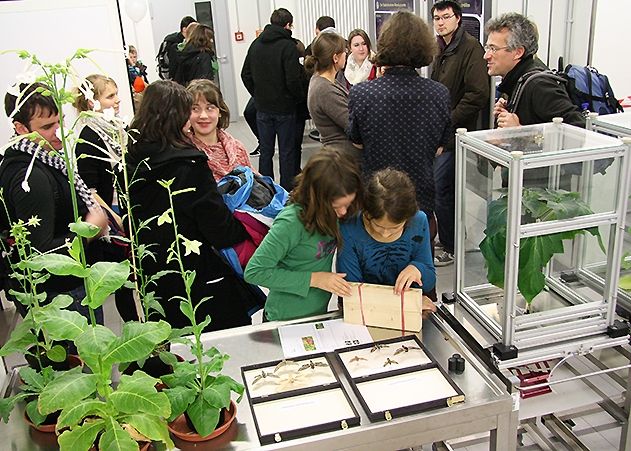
point(487, 407)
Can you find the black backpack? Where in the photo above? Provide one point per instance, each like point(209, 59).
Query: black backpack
point(163, 59)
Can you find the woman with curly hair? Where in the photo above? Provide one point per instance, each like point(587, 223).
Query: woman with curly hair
point(401, 119)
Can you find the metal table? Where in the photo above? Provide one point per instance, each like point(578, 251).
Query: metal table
point(488, 407)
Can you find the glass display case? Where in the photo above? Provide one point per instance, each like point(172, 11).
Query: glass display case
point(534, 206)
point(615, 125)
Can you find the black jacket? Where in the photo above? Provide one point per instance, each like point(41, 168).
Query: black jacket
point(48, 199)
point(542, 99)
point(272, 73)
point(95, 173)
point(462, 69)
point(192, 64)
point(201, 215)
point(173, 40)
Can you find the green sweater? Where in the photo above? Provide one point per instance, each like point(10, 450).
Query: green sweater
point(284, 262)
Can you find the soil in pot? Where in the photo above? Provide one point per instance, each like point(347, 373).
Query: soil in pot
point(182, 429)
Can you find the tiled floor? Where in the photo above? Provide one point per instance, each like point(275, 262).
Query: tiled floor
point(596, 429)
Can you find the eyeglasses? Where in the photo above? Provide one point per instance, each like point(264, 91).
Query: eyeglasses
point(492, 49)
point(445, 17)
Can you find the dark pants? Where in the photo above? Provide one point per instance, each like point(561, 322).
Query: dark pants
point(445, 198)
point(283, 126)
point(300, 132)
point(250, 117)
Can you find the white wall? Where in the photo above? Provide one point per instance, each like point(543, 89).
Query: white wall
point(140, 35)
point(54, 31)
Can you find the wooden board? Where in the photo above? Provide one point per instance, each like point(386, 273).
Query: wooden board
point(378, 306)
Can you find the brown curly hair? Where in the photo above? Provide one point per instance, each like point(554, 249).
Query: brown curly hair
point(328, 175)
point(405, 40)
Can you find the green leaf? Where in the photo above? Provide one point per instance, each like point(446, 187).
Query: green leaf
point(73, 415)
point(104, 279)
point(151, 427)
point(232, 385)
point(27, 299)
point(93, 343)
point(184, 374)
point(84, 229)
point(168, 358)
point(33, 379)
point(7, 405)
point(60, 301)
point(21, 338)
point(179, 398)
point(187, 310)
point(137, 341)
point(218, 394)
point(57, 353)
point(75, 249)
point(625, 282)
point(34, 415)
point(203, 415)
point(57, 264)
point(132, 398)
point(81, 438)
point(61, 324)
point(67, 389)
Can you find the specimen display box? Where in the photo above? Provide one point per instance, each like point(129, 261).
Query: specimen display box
point(378, 306)
point(397, 377)
point(532, 204)
point(297, 398)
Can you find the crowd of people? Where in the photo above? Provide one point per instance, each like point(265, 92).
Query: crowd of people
point(376, 194)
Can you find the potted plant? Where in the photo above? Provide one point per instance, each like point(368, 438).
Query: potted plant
point(535, 252)
point(196, 390)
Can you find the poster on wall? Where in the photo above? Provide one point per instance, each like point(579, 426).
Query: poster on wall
point(473, 26)
point(472, 7)
point(383, 11)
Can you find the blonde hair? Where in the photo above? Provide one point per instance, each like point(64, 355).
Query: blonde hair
point(99, 84)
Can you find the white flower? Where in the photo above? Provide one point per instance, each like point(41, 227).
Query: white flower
point(27, 77)
point(58, 134)
point(108, 114)
point(96, 105)
point(14, 89)
point(125, 120)
point(25, 186)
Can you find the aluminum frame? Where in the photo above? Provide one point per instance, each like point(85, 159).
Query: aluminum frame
point(581, 321)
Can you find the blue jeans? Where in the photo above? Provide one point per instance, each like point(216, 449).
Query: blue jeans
point(271, 125)
point(445, 198)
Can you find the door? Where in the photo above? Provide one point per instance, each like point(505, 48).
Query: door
point(215, 15)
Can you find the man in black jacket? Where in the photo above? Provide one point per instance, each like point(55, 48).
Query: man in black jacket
point(271, 73)
point(171, 42)
point(460, 67)
point(35, 186)
point(510, 53)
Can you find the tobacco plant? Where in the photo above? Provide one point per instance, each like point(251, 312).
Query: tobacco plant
point(537, 205)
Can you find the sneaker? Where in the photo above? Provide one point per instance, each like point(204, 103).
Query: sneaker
point(256, 152)
point(444, 259)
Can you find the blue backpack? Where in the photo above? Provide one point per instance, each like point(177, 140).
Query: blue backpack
point(589, 89)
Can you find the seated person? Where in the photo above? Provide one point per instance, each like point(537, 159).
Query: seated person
point(209, 119)
point(388, 242)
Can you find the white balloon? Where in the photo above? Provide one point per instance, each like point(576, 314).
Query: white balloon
point(136, 9)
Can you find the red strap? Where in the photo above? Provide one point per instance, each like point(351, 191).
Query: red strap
point(361, 303)
point(402, 313)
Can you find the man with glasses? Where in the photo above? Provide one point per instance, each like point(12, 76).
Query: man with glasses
point(510, 53)
point(460, 67)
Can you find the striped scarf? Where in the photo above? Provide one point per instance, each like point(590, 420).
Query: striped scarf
point(29, 147)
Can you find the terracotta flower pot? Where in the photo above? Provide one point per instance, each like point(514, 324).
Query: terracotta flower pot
point(47, 426)
point(181, 430)
point(142, 446)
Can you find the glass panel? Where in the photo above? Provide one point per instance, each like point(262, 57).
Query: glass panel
point(620, 121)
point(544, 138)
